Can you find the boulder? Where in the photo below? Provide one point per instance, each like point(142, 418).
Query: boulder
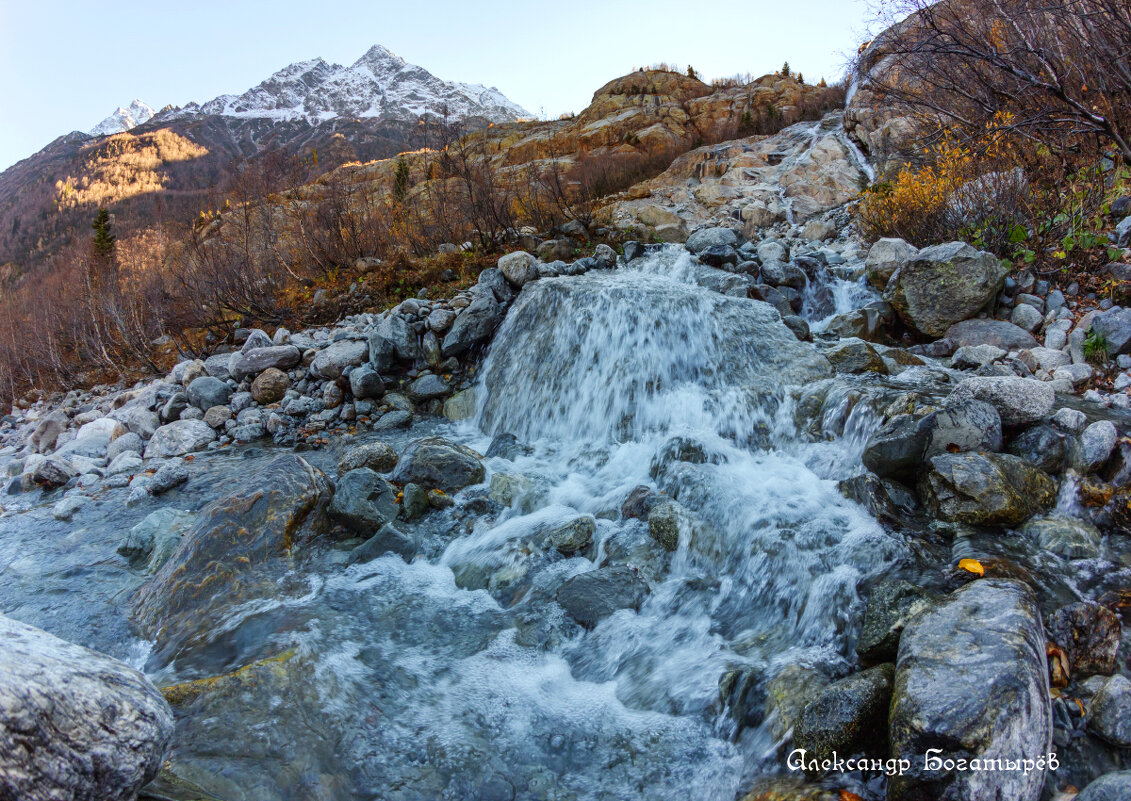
point(217, 366)
point(256, 338)
point(1018, 400)
point(985, 489)
point(666, 519)
point(206, 392)
point(1114, 326)
point(437, 463)
point(75, 724)
point(892, 603)
point(590, 597)
point(270, 386)
point(178, 438)
point(970, 357)
point(219, 562)
point(1089, 633)
point(363, 501)
point(573, 535)
point(377, 456)
point(331, 361)
point(787, 695)
point(1094, 446)
point(386, 540)
point(848, 716)
point(944, 285)
point(970, 425)
point(127, 443)
point(885, 257)
point(1109, 712)
point(473, 325)
point(711, 237)
point(365, 383)
point(856, 356)
point(518, 267)
point(1041, 446)
point(460, 406)
point(392, 339)
point(1026, 317)
point(256, 360)
point(429, 386)
point(998, 333)
point(896, 450)
point(53, 471)
point(47, 431)
point(1113, 786)
point(972, 681)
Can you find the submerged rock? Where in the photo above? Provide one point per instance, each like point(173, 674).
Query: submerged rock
point(363, 501)
point(75, 724)
point(437, 463)
point(590, 597)
point(219, 558)
point(891, 605)
point(972, 682)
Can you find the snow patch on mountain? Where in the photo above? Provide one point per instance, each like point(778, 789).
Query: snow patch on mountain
point(379, 84)
point(124, 119)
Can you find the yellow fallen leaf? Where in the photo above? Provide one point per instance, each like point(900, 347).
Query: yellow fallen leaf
point(972, 566)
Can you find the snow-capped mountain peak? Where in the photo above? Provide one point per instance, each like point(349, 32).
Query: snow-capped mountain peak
point(379, 84)
point(124, 119)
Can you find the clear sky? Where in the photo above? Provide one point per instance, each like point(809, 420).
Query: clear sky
point(67, 64)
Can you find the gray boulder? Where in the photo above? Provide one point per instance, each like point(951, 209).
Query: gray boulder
point(985, 489)
point(386, 540)
point(1041, 446)
point(75, 724)
point(998, 333)
point(331, 361)
point(53, 471)
point(1114, 326)
point(365, 383)
point(255, 360)
point(206, 392)
point(473, 325)
point(972, 682)
point(127, 443)
point(970, 425)
point(429, 386)
point(217, 366)
point(1018, 400)
point(377, 456)
point(1026, 317)
point(896, 450)
point(437, 463)
point(1094, 446)
point(891, 605)
point(518, 267)
point(393, 339)
point(363, 501)
point(1113, 786)
point(943, 285)
point(573, 535)
point(885, 257)
point(711, 237)
point(1109, 712)
point(257, 338)
point(590, 597)
point(179, 438)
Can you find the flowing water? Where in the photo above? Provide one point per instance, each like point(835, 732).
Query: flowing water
point(457, 676)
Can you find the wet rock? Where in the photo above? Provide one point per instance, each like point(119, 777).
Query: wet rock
point(888, 501)
point(66, 508)
point(363, 501)
point(169, 475)
point(640, 502)
point(1109, 712)
point(386, 540)
point(1112, 787)
point(1094, 446)
point(437, 463)
point(222, 557)
point(787, 694)
point(856, 356)
point(377, 456)
point(392, 420)
point(798, 326)
point(998, 333)
point(1065, 536)
point(1041, 446)
point(944, 285)
point(572, 536)
point(460, 406)
point(53, 471)
point(152, 541)
point(414, 504)
point(970, 425)
point(849, 716)
point(179, 438)
point(665, 522)
point(972, 681)
point(365, 383)
point(256, 360)
point(75, 724)
point(590, 597)
point(711, 237)
point(1089, 633)
point(428, 387)
point(473, 325)
point(1017, 400)
point(891, 604)
point(896, 450)
point(885, 257)
point(985, 489)
point(270, 386)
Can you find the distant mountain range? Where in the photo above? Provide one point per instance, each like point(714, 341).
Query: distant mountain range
point(329, 113)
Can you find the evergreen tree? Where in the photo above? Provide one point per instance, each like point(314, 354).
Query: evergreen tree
point(401, 179)
point(691, 73)
point(785, 70)
point(103, 244)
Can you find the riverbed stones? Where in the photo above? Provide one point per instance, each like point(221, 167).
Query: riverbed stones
point(1067, 537)
point(178, 438)
point(998, 333)
point(1041, 446)
point(856, 356)
point(473, 325)
point(572, 536)
point(1094, 446)
point(1019, 401)
point(1090, 635)
point(331, 361)
point(895, 451)
point(943, 285)
point(222, 557)
point(849, 716)
point(706, 238)
point(985, 489)
point(969, 425)
point(1109, 712)
point(53, 471)
point(891, 604)
point(1113, 786)
point(363, 501)
point(437, 463)
point(365, 383)
point(518, 267)
point(787, 694)
point(972, 681)
point(387, 540)
point(75, 724)
point(590, 597)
